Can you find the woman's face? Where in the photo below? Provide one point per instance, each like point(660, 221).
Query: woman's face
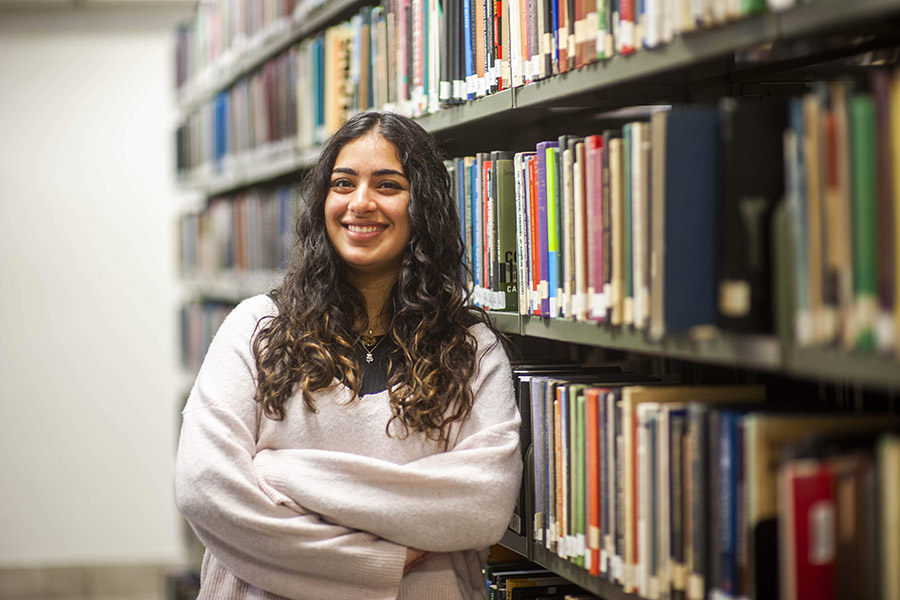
point(365, 210)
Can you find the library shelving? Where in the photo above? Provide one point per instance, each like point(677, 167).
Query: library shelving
point(777, 51)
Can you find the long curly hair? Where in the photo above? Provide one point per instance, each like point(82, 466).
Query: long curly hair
point(310, 342)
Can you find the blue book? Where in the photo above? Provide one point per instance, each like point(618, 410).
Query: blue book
point(543, 241)
point(691, 192)
point(221, 129)
point(469, 48)
point(726, 495)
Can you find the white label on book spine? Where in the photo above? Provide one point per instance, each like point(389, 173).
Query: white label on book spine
point(821, 533)
point(444, 91)
point(617, 568)
point(594, 537)
point(579, 545)
point(695, 587)
point(626, 29)
point(604, 561)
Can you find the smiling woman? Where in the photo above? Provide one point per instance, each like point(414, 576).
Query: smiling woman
point(354, 434)
point(365, 211)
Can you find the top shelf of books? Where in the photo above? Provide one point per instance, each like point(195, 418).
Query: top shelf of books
point(254, 83)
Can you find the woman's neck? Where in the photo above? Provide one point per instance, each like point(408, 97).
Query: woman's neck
point(375, 291)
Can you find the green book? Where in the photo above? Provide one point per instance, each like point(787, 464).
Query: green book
point(751, 7)
point(865, 217)
point(507, 241)
point(579, 512)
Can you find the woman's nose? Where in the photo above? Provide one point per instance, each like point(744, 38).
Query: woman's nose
point(363, 200)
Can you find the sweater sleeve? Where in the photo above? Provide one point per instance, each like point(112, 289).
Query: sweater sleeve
point(454, 500)
point(275, 546)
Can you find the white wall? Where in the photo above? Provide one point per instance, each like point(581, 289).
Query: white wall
point(88, 314)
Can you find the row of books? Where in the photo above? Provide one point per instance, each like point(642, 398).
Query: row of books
point(412, 57)
point(841, 216)
point(223, 31)
point(446, 51)
point(665, 223)
point(246, 232)
point(251, 121)
point(200, 320)
point(699, 492)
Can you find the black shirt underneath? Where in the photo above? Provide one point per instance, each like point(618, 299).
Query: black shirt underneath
point(374, 374)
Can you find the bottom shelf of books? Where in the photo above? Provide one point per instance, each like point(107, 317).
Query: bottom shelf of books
point(644, 489)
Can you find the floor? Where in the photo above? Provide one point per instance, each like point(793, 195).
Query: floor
point(115, 582)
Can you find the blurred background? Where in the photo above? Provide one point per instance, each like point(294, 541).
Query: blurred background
point(88, 298)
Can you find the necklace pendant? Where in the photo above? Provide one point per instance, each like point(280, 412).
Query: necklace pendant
point(369, 357)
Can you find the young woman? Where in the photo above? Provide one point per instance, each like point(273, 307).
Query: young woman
point(354, 433)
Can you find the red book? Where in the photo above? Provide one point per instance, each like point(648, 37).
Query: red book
point(562, 37)
point(626, 26)
point(808, 532)
point(592, 398)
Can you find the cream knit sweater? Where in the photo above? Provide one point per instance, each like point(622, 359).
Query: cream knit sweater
point(324, 505)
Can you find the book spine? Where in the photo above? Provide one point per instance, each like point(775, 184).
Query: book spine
point(554, 280)
point(865, 218)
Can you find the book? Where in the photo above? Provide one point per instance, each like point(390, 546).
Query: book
point(507, 252)
point(888, 455)
point(687, 258)
point(752, 184)
point(807, 530)
point(617, 233)
point(865, 218)
point(594, 223)
point(580, 306)
point(554, 224)
point(546, 211)
point(895, 183)
point(640, 222)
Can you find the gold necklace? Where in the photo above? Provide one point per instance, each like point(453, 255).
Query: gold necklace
point(369, 343)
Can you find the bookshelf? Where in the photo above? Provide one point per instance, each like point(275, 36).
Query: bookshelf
point(749, 55)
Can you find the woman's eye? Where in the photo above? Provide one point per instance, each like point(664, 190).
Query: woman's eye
point(341, 183)
point(393, 185)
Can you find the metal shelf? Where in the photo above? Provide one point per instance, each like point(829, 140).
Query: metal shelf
point(843, 366)
point(468, 112)
point(262, 167)
point(753, 351)
point(233, 286)
point(685, 50)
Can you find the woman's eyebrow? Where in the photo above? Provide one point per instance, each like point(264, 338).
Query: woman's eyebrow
point(377, 173)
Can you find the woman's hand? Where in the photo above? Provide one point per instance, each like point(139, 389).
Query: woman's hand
point(414, 557)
